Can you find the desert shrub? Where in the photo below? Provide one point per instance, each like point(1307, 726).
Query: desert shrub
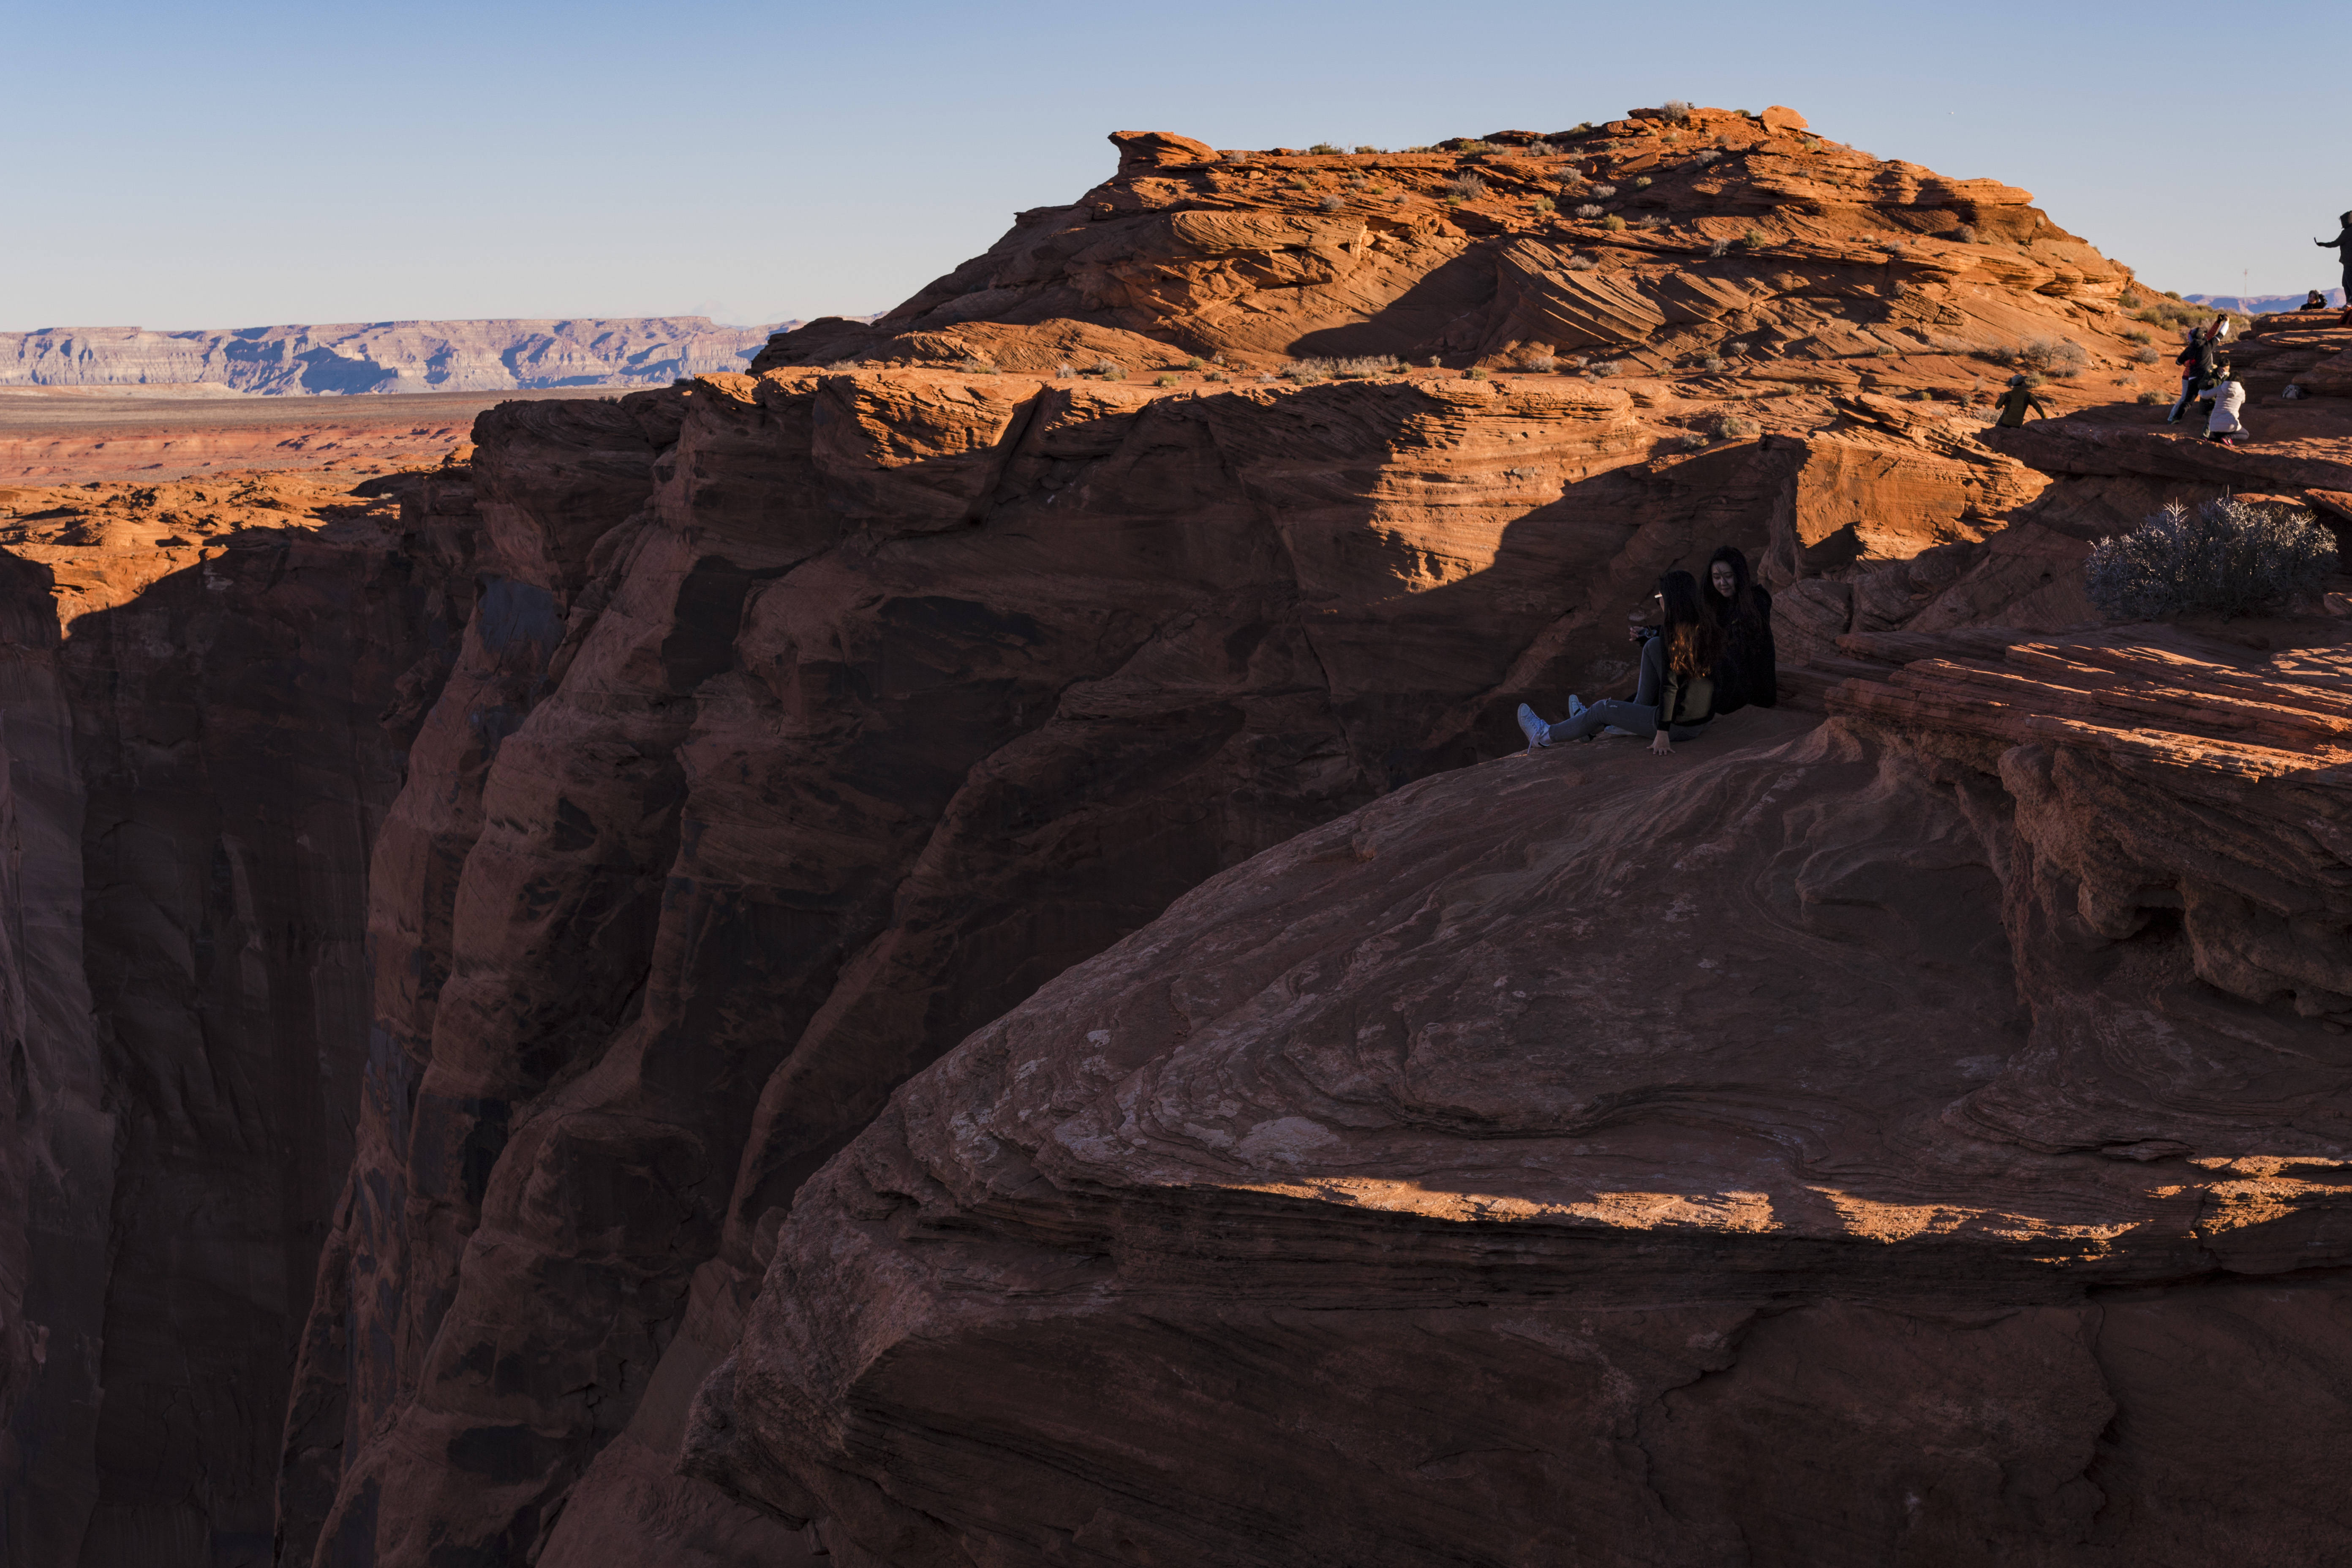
point(1196, 362)
point(1329, 205)
point(1812, 144)
point(1306, 372)
point(1163, 381)
point(2060, 357)
point(1706, 157)
point(1719, 248)
point(1898, 247)
point(1998, 354)
point(1540, 149)
point(2153, 399)
point(1398, 198)
point(1064, 372)
point(1109, 369)
point(1538, 357)
point(1357, 181)
point(1966, 234)
point(1753, 239)
point(1642, 184)
point(1475, 372)
point(1885, 351)
point(1688, 441)
point(1732, 427)
point(1544, 204)
point(1675, 110)
point(2145, 356)
point(2226, 558)
point(1605, 368)
point(2135, 336)
point(1581, 263)
point(843, 364)
point(1588, 210)
point(1368, 149)
point(1345, 369)
point(1612, 223)
point(1604, 192)
point(1711, 363)
point(1236, 157)
point(1323, 147)
point(1465, 187)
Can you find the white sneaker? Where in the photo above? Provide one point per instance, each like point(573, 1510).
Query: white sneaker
point(1575, 706)
point(1537, 732)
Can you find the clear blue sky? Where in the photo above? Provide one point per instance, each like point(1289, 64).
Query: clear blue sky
point(238, 164)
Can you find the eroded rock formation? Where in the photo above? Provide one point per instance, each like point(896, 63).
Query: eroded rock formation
point(767, 736)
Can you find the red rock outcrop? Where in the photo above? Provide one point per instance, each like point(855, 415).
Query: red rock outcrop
point(1919, 1139)
point(774, 733)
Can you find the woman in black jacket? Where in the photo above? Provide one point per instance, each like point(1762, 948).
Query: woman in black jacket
point(1751, 667)
point(1676, 696)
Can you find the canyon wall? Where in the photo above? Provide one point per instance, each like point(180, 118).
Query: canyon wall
point(383, 356)
point(196, 765)
point(816, 951)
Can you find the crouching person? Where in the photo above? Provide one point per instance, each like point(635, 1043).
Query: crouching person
point(1676, 696)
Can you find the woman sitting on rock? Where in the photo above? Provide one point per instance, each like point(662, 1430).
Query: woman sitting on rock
point(2229, 395)
point(1676, 696)
point(1751, 671)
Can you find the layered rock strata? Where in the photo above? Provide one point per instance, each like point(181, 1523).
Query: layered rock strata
point(1920, 1138)
point(385, 356)
point(196, 763)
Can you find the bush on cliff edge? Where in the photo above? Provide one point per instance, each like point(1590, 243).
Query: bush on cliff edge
point(2226, 558)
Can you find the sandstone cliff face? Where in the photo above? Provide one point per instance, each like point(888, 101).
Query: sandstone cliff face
point(383, 356)
point(195, 771)
point(768, 736)
point(1920, 1139)
point(1743, 240)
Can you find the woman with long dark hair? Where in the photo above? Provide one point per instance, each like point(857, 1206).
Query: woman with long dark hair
point(1751, 665)
point(1676, 696)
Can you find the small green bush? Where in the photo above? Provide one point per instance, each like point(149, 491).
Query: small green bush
point(1544, 204)
point(1642, 184)
point(1368, 149)
point(1476, 372)
point(1163, 381)
point(1196, 362)
point(1323, 147)
point(2226, 558)
point(1753, 239)
point(1612, 223)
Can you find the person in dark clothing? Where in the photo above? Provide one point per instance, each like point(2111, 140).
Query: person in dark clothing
point(2342, 246)
point(2196, 359)
point(1676, 696)
point(2314, 300)
point(2013, 403)
point(1750, 669)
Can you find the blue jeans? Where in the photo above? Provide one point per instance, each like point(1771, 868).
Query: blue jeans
point(1640, 718)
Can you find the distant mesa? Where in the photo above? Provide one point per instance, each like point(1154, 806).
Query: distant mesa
point(353, 358)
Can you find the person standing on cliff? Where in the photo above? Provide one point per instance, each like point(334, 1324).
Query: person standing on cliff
point(2013, 403)
point(2342, 246)
point(2196, 360)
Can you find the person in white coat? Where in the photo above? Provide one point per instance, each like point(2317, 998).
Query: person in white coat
point(2229, 395)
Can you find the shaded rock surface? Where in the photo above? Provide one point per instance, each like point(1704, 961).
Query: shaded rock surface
point(197, 761)
point(1597, 1158)
point(769, 735)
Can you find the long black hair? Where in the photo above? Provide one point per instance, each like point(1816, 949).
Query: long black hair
point(1741, 606)
point(1694, 641)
